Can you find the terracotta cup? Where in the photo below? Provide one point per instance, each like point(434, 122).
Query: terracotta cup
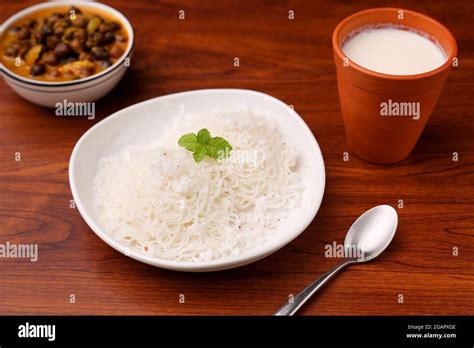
point(373, 137)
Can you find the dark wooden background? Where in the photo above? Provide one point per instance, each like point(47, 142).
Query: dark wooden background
point(291, 60)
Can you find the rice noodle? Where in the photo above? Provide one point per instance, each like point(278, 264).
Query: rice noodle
point(156, 199)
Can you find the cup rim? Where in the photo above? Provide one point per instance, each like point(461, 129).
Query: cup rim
point(98, 5)
point(337, 48)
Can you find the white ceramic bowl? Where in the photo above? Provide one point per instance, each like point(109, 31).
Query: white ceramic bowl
point(82, 90)
point(144, 122)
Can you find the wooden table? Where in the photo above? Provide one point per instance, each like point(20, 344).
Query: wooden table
point(291, 60)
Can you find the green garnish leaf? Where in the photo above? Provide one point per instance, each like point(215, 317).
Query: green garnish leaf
point(202, 145)
point(199, 153)
point(203, 136)
point(189, 142)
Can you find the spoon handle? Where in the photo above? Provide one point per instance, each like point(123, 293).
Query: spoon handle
point(291, 307)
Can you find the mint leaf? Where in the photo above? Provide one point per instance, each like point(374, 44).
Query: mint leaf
point(218, 148)
point(203, 136)
point(212, 152)
point(199, 153)
point(202, 145)
point(188, 141)
point(220, 144)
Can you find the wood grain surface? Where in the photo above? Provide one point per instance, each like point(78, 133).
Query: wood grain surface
point(291, 60)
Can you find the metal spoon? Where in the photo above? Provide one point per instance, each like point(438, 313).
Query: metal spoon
point(367, 238)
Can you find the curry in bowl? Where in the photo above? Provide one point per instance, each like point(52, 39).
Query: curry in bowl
point(62, 44)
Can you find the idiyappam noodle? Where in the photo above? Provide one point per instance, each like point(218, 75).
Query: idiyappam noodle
point(156, 199)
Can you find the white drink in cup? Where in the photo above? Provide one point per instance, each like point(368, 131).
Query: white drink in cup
point(393, 50)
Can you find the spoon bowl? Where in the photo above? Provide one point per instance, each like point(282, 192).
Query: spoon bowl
point(371, 233)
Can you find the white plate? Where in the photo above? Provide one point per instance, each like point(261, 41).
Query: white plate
point(145, 122)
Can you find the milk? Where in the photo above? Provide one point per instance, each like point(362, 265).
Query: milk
point(393, 50)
